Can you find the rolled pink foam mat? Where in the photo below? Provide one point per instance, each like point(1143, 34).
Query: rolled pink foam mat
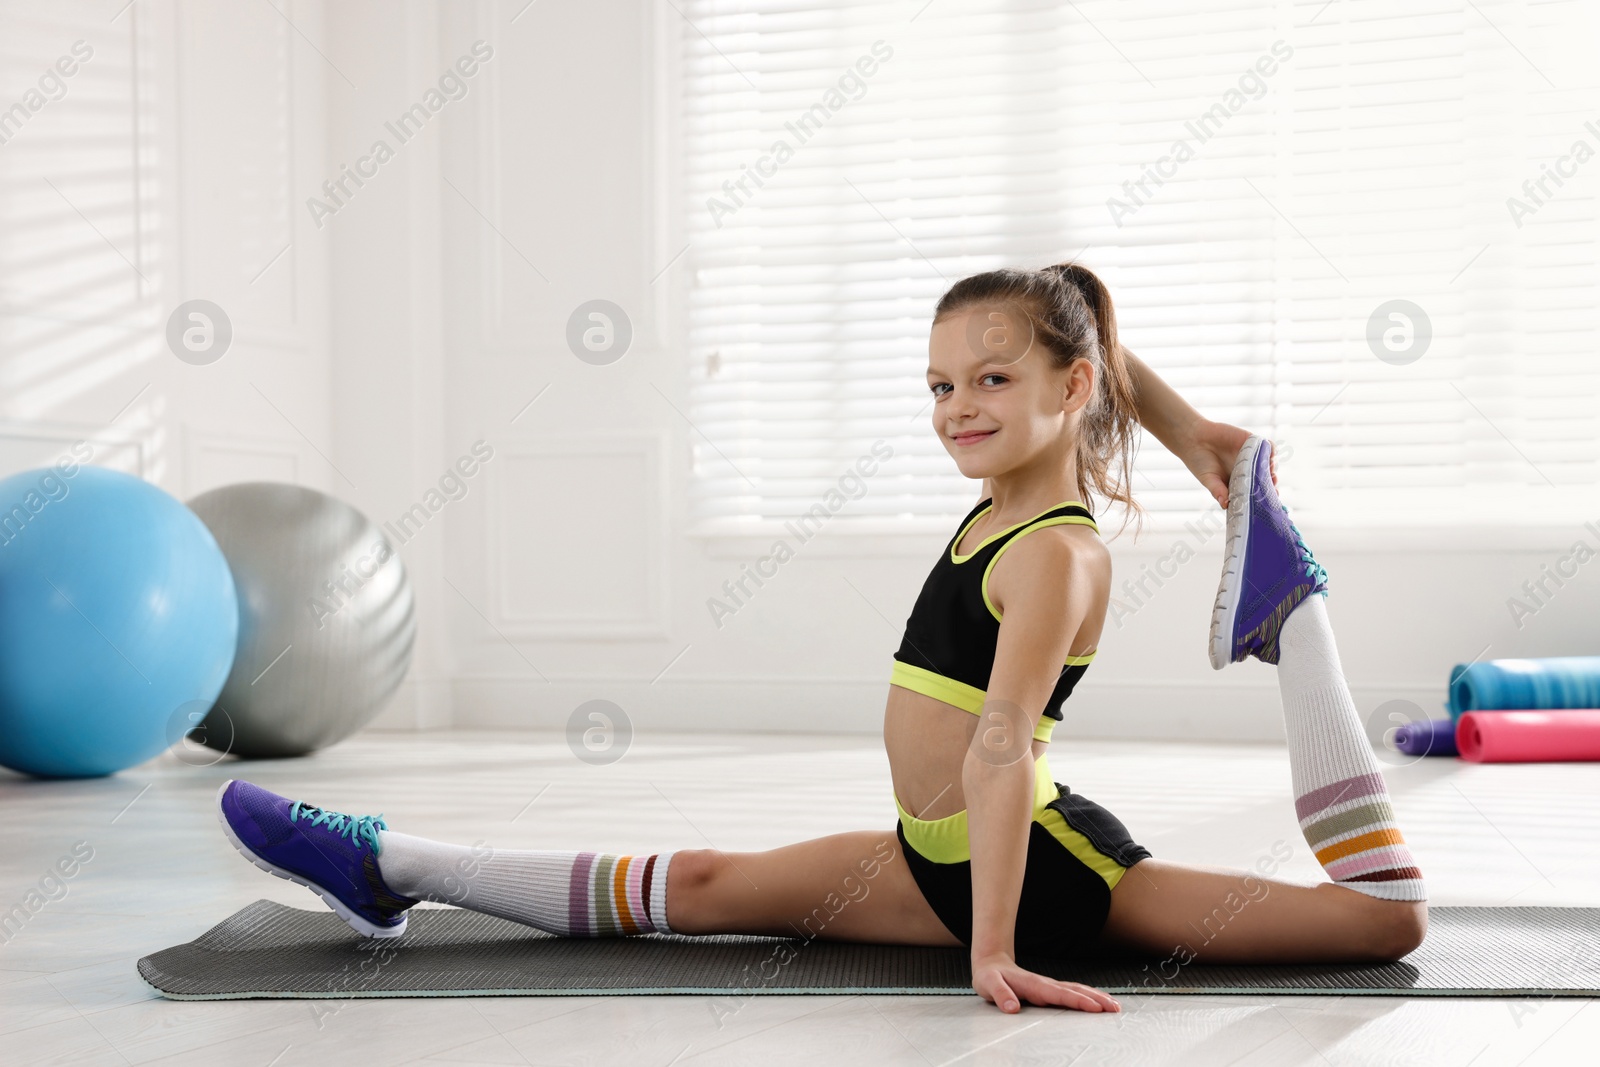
point(1529, 736)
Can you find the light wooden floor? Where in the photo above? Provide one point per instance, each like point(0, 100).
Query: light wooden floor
point(162, 873)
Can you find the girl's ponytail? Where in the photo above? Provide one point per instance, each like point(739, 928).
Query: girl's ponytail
point(1110, 433)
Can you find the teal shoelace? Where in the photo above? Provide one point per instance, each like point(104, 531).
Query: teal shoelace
point(358, 828)
point(1314, 570)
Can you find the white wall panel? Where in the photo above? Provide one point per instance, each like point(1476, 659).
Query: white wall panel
point(38, 443)
point(211, 461)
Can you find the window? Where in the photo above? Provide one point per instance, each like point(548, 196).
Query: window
point(1288, 201)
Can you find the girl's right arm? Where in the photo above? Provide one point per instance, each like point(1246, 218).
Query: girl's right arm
point(1040, 616)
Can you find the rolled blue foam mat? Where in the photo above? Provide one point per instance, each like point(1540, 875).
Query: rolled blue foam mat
point(1430, 737)
point(1552, 684)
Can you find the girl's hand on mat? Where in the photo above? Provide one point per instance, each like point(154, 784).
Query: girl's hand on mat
point(1209, 454)
point(1002, 983)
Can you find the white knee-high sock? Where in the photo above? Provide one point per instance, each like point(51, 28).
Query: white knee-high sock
point(1340, 795)
point(574, 894)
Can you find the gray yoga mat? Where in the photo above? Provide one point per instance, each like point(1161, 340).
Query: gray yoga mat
point(269, 950)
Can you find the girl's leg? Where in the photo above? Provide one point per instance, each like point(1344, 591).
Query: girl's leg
point(1214, 916)
point(1340, 794)
point(843, 887)
point(1268, 606)
point(1373, 911)
point(847, 887)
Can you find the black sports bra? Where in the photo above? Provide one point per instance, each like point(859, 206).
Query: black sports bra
point(950, 638)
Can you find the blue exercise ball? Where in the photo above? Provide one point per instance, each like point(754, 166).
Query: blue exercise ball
point(118, 618)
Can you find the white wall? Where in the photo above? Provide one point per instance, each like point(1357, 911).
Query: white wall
point(428, 311)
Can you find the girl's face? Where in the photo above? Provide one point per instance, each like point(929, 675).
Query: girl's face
point(998, 401)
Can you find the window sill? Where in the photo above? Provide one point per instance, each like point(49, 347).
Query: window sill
point(915, 538)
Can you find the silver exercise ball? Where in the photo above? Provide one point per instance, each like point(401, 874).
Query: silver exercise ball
point(326, 619)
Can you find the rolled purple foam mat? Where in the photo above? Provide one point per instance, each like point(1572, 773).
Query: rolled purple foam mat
point(1430, 737)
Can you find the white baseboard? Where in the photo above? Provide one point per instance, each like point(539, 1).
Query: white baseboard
point(1152, 711)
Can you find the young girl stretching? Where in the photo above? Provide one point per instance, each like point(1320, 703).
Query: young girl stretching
point(1034, 395)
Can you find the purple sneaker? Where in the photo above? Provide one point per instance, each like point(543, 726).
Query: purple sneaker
point(1267, 570)
point(333, 855)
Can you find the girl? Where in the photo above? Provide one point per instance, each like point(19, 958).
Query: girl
point(1034, 395)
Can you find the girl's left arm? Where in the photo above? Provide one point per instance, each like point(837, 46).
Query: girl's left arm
point(1040, 618)
point(1207, 448)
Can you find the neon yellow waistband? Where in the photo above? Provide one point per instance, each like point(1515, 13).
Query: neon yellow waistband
point(945, 840)
point(957, 694)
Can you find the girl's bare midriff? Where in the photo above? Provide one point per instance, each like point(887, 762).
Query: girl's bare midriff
point(927, 742)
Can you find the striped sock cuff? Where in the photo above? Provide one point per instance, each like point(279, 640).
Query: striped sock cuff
point(1398, 889)
point(1345, 790)
point(656, 891)
point(611, 895)
point(1351, 828)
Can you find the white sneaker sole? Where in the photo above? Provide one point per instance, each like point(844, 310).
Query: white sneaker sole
point(357, 923)
point(1231, 588)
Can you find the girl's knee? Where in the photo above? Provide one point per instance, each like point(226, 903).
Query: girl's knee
point(1396, 927)
point(693, 869)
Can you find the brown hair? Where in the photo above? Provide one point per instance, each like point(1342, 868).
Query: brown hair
point(1071, 313)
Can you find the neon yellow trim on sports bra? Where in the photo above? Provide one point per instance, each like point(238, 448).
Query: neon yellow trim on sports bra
point(955, 557)
point(1059, 520)
point(920, 680)
point(964, 696)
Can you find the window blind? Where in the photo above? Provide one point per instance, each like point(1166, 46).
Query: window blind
point(80, 189)
point(1258, 182)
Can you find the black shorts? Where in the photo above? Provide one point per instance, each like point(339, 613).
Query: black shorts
point(1077, 852)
